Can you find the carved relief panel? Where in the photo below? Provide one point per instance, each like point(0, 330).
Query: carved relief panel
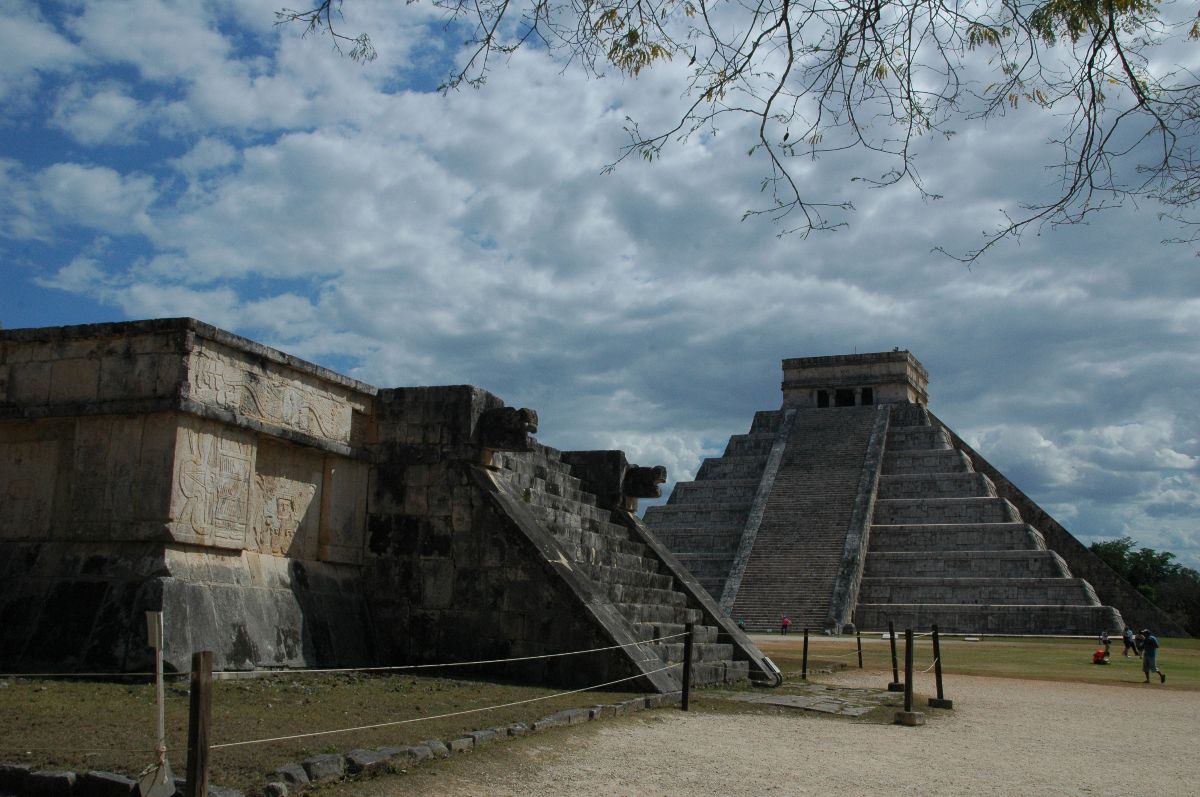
point(285, 501)
point(210, 495)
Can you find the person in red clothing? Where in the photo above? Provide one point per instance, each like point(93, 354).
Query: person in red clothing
point(785, 622)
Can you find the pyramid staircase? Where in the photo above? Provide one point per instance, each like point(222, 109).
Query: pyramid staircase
point(704, 520)
point(639, 583)
point(945, 550)
point(799, 546)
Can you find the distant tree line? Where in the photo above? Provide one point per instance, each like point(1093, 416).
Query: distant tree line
point(1172, 587)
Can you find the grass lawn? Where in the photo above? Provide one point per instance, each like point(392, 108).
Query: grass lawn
point(82, 725)
point(1038, 658)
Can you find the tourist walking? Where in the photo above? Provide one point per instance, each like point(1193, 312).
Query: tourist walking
point(1104, 641)
point(1150, 656)
point(1127, 637)
point(785, 623)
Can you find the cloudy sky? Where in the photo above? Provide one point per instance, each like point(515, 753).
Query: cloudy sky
point(192, 159)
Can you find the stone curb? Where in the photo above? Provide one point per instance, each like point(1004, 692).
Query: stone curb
point(20, 780)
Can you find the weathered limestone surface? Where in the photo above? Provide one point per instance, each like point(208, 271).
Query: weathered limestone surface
point(282, 515)
point(168, 465)
point(909, 526)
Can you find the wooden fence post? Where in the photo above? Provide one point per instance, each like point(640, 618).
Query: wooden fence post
point(940, 701)
point(858, 637)
point(689, 632)
point(908, 716)
point(804, 660)
point(199, 720)
point(895, 685)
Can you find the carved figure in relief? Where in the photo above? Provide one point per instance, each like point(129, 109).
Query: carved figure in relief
point(214, 480)
point(281, 513)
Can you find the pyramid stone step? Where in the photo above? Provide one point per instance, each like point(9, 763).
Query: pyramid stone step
point(957, 537)
point(917, 438)
point(706, 565)
point(966, 564)
point(926, 462)
point(698, 516)
point(999, 591)
point(903, 511)
point(714, 491)
point(731, 468)
point(935, 485)
point(686, 540)
point(749, 445)
point(987, 618)
point(766, 422)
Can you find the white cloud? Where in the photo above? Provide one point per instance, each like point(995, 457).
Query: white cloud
point(98, 197)
point(30, 46)
point(98, 115)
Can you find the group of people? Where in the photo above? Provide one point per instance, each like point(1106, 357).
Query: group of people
point(1143, 644)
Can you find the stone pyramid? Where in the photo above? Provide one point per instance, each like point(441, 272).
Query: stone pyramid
point(852, 506)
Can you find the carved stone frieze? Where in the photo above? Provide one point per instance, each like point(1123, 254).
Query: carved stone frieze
point(223, 380)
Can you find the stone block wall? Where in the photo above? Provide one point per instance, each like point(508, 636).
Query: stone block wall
point(237, 470)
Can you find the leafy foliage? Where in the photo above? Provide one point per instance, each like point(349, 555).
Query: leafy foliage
point(1156, 574)
point(875, 76)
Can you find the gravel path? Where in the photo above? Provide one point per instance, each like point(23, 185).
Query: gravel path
point(1004, 737)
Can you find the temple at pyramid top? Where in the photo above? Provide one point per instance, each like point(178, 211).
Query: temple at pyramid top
point(853, 505)
point(851, 380)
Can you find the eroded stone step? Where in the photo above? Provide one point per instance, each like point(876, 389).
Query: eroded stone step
point(655, 613)
point(696, 540)
point(936, 485)
point(989, 618)
point(917, 438)
point(910, 511)
point(933, 538)
point(697, 515)
point(1000, 591)
point(714, 491)
point(925, 462)
point(607, 574)
point(731, 468)
point(670, 631)
point(966, 564)
point(749, 445)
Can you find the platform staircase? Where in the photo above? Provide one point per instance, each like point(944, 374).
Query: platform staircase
point(703, 521)
point(639, 584)
point(945, 550)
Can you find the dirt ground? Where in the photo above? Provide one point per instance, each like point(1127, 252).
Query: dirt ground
point(1004, 737)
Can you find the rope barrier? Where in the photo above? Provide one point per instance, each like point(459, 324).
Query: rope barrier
point(319, 670)
point(931, 666)
point(435, 716)
point(91, 674)
point(389, 668)
point(83, 751)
